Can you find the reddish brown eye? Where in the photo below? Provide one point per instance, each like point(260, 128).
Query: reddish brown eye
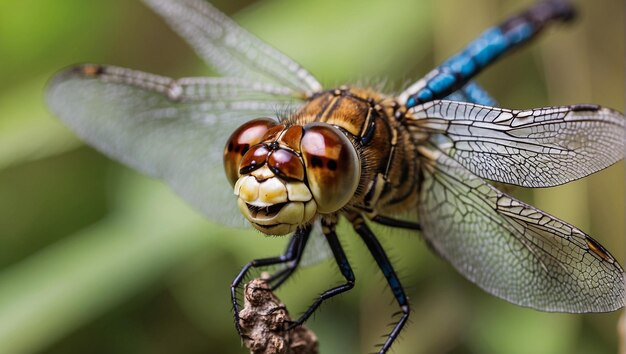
point(273, 132)
point(292, 137)
point(332, 165)
point(287, 164)
point(253, 159)
point(246, 136)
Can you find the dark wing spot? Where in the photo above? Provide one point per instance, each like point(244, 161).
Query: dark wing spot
point(230, 147)
point(597, 248)
point(585, 107)
point(332, 165)
point(91, 70)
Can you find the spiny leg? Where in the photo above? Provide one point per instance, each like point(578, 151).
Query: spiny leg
point(297, 248)
point(385, 266)
point(292, 255)
point(455, 72)
point(328, 228)
point(402, 224)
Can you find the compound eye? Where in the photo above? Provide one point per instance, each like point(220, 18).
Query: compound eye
point(253, 159)
point(246, 136)
point(286, 164)
point(333, 168)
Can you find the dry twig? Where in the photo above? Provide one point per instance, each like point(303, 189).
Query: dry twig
point(263, 321)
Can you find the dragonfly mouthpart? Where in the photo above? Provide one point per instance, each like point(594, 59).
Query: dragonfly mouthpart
point(268, 210)
point(274, 206)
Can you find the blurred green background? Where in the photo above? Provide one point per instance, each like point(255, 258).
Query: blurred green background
point(96, 258)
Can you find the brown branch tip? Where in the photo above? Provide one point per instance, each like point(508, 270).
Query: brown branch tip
point(263, 321)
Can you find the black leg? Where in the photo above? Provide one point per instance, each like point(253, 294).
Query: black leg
point(385, 266)
point(342, 261)
point(291, 256)
point(403, 224)
point(297, 248)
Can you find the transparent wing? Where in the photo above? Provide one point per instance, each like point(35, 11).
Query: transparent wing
point(230, 49)
point(170, 129)
point(531, 148)
point(511, 249)
point(317, 249)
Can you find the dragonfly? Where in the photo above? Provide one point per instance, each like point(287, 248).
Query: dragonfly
point(267, 142)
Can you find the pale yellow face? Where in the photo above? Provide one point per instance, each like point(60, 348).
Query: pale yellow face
point(284, 176)
point(274, 206)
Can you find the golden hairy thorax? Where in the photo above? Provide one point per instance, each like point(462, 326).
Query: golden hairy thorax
point(389, 172)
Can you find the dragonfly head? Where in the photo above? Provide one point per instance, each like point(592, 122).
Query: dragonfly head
point(285, 175)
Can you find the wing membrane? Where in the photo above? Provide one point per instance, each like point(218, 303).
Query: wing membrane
point(511, 249)
point(531, 148)
point(317, 248)
point(230, 49)
point(170, 129)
